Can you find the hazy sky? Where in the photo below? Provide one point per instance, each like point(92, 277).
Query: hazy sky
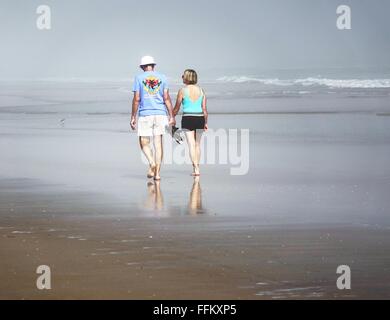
point(106, 38)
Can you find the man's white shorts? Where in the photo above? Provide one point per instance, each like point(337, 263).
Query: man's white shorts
point(155, 125)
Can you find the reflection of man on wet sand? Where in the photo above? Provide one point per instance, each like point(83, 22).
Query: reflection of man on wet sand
point(155, 199)
point(195, 203)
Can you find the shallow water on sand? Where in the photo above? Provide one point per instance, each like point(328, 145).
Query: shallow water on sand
point(303, 168)
point(315, 197)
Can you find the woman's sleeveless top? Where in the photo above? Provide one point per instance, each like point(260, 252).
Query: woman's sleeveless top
point(192, 108)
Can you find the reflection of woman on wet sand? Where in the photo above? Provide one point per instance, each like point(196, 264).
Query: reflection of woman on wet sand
point(195, 203)
point(155, 199)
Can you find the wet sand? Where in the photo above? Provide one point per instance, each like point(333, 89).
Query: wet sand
point(184, 257)
point(74, 196)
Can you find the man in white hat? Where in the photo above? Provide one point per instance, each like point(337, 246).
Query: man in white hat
point(152, 104)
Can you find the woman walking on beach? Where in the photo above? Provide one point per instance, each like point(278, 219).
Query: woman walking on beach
point(194, 120)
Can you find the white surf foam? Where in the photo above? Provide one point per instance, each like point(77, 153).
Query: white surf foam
point(345, 83)
point(312, 81)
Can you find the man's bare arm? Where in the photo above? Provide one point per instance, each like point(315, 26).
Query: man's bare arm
point(168, 104)
point(134, 109)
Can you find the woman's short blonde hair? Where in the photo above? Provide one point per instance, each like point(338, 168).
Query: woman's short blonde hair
point(190, 76)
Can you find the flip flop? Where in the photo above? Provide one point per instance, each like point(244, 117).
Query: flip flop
point(176, 135)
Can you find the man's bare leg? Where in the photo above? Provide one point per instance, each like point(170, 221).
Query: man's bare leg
point(159, 204)
point(144, 143)
point(158, 153)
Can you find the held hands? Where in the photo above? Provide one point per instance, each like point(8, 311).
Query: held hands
point(133, 123)
point(172, 121)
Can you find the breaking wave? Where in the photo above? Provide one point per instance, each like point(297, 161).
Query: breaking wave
point(312, 81)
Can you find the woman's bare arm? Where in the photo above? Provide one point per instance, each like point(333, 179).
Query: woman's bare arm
point(179, 100)
point(205, 113)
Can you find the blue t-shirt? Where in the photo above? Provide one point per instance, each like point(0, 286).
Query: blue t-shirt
point(151, 86)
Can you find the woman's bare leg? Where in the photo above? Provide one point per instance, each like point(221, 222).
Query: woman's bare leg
point(195, 203)
point(198, 137)
point(190, 135)
point(144, 143)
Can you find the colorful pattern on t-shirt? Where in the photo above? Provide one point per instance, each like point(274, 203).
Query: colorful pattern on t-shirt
point(151, 85)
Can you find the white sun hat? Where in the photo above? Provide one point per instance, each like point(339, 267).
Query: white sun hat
point(146, 60)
